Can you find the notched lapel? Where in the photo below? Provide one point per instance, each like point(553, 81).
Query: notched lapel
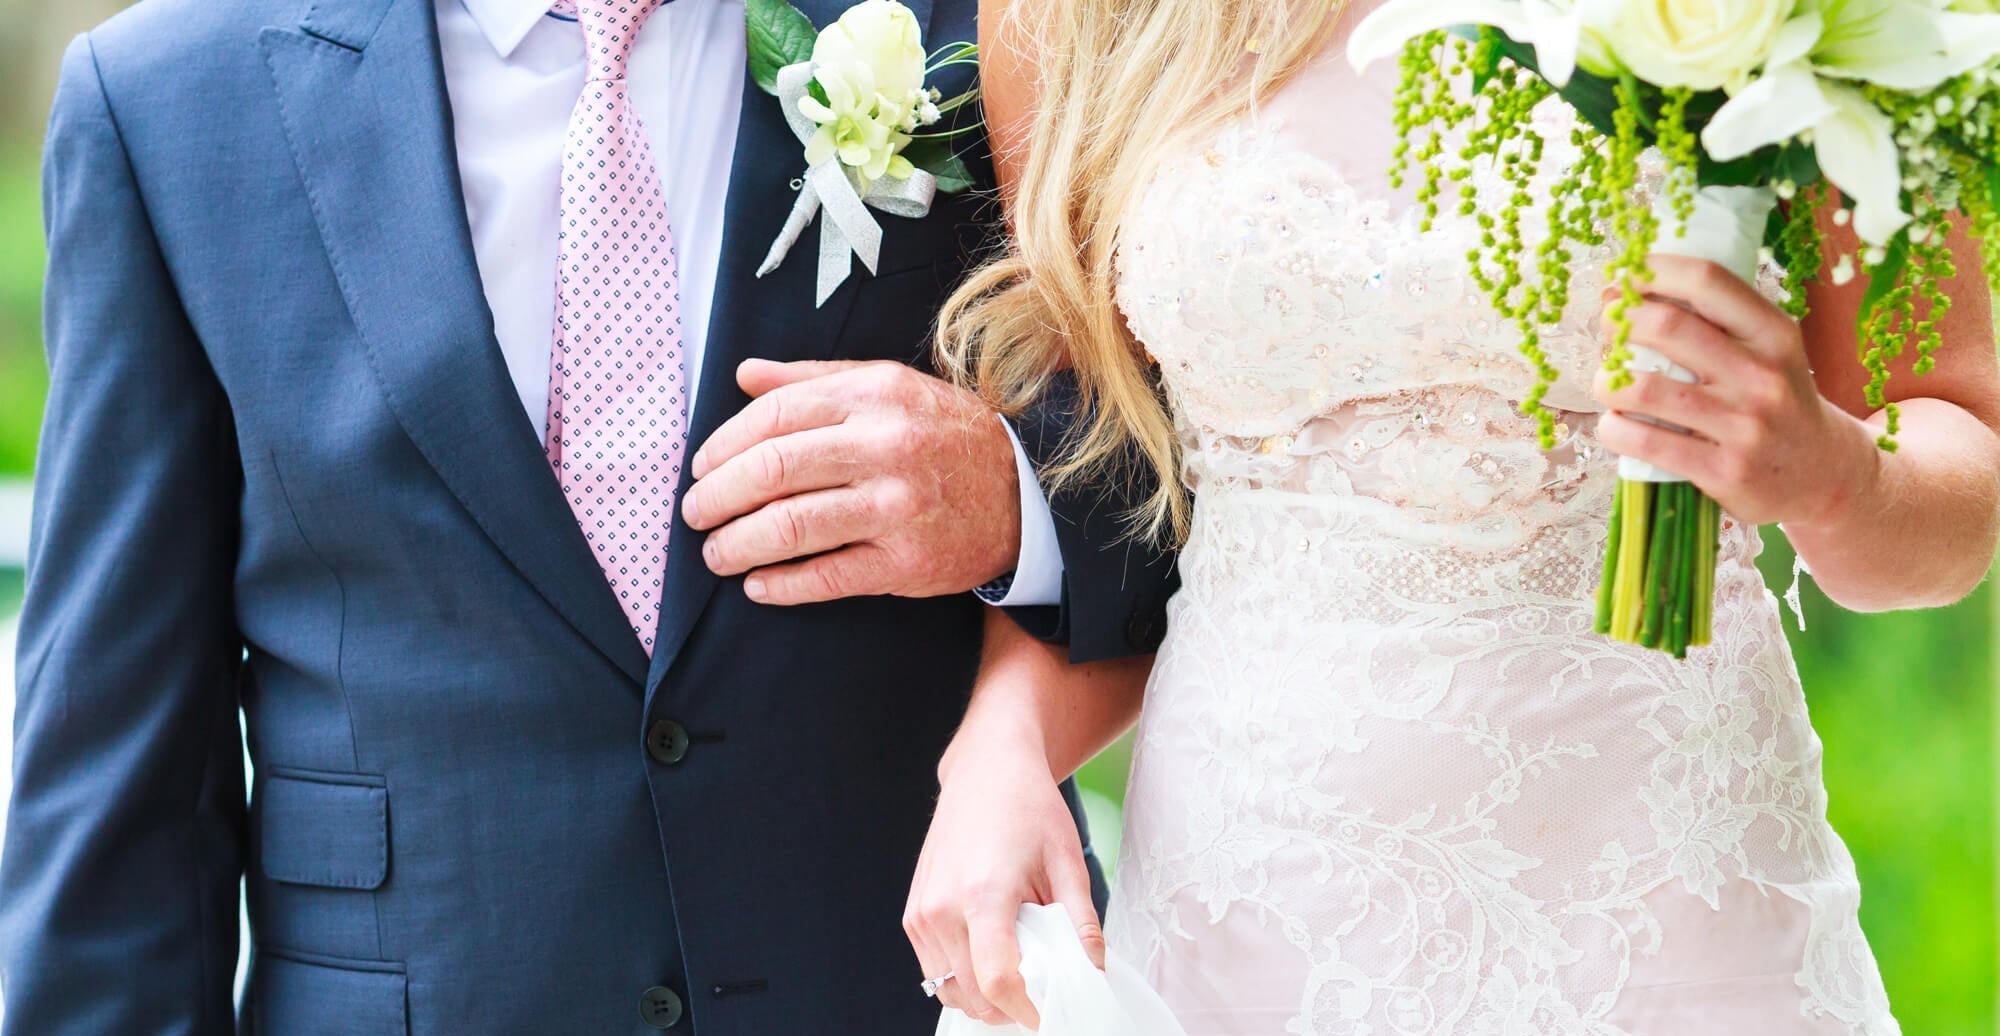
point(361, 86)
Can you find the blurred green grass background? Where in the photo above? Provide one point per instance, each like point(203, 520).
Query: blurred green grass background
point(1904, 702)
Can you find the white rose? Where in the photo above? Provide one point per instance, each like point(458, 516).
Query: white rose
point(870, 64)
point(1699, 44)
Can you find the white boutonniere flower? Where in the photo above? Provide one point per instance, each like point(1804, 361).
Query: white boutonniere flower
point(855, 96)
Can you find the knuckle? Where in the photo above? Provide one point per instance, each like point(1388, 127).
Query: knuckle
point(787, 529)
point(772, 465)
point(981, 893)
point(898, 438)
point(1713, 279)
point(773, 415)
point(830, 581)
point(1652, 321)
point(999, 985)
point(1763, 390)
point(1757, 430)
point(1733, 469)
point(883, 380)
point(935, 912)
point(896, 500)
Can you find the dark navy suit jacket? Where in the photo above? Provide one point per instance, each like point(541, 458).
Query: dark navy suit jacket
point(286, 482)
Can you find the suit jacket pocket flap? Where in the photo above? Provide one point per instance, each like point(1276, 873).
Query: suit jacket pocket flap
point(330, 830)
point(293, 997)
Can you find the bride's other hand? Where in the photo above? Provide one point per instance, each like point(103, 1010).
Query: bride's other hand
point(1766, 444)
point(1002, 836)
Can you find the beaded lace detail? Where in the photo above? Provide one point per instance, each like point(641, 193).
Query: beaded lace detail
point(1387, 780)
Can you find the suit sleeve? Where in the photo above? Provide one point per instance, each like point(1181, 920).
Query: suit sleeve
point(124, 844)
point(1114, 588)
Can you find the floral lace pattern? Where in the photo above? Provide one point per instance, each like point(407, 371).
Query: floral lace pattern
point(1387, 779)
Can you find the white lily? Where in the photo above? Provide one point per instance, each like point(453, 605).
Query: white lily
point(1852, 139)
point(1555, 28)
point(1902, 44)
point(1899, 44)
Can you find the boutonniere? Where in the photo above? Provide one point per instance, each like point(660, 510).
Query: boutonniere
point(855, 95)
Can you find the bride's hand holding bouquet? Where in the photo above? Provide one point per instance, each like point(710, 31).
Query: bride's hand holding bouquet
point(1848, 143)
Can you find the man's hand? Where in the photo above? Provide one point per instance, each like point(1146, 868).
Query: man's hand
point(882, 479)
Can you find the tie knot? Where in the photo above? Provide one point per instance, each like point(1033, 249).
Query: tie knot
point(609, 29)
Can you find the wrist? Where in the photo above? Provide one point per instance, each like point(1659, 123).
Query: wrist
point(983, 739)
point(1855, 472)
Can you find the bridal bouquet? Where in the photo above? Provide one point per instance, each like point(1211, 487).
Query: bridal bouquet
point(1890, 106)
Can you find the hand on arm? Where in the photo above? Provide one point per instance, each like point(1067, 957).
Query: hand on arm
point(1002, 835)
point(844, 479)
point(1783, 434)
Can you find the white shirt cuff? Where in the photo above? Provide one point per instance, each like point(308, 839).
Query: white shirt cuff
point(1038, 572)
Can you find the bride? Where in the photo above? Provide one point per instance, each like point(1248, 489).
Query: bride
point(1387, 779)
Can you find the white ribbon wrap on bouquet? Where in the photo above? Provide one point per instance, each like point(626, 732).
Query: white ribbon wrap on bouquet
point(1074, 998)
point(1726, 228)
point(848, 229)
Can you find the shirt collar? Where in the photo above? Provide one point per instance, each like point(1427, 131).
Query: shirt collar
point(505, 23)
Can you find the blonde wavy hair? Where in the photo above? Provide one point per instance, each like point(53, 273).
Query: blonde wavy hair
point(1118, 83)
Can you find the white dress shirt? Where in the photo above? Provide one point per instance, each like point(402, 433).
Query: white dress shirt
point(514, 72)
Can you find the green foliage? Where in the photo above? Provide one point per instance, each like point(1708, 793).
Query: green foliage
point(936, 156)
point(779, 35)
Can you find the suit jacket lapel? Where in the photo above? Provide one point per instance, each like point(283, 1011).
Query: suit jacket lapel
point(362, 88)
point(770, 318)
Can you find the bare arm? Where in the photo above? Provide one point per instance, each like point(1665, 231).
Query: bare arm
point(1030, 699)
point(1921, 528)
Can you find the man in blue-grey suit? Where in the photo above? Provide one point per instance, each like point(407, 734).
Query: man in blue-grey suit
point(299, 484)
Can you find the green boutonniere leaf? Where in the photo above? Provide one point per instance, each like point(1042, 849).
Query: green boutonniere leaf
point(937, 157)
point(779, 35)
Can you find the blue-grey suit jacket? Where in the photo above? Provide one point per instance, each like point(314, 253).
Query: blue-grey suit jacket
point(285, 483)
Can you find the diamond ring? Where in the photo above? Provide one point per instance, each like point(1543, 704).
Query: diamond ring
point(932, 985)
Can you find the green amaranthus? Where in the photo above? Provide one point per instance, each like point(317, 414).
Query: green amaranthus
point(1465, 101)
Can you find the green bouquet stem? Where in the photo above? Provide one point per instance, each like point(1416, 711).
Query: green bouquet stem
point(1658, 588)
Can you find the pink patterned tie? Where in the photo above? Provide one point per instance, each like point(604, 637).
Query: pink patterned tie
point(617, 386)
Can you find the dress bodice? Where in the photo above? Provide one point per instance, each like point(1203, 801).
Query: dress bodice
point(1313, 337)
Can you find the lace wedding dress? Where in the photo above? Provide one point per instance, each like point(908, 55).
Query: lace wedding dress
point(1387, 780)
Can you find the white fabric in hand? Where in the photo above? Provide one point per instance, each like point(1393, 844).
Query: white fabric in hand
point(1074, 998)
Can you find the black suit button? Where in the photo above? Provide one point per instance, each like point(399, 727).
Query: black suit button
point(660, 1007)
point(667, 742)
point(1142, 631)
